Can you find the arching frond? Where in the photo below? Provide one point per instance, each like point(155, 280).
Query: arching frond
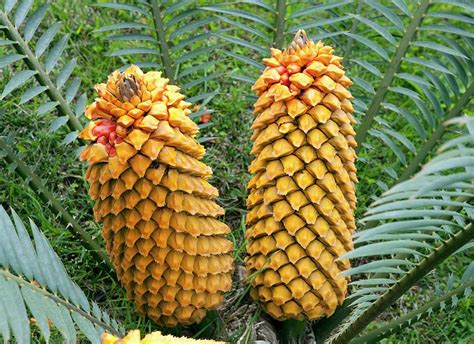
point(34, 281)
point(23, 29)
point(422, 222)
point(440, 89)
point(443, 300)
point(249, 28)
point(35, 52)
point(49, 198)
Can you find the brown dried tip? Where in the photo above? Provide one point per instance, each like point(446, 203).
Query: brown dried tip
point(128, 86)
point(300, 40)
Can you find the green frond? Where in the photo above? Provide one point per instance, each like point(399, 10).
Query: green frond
point(34, 281)
point(40, 62)
point(422, 221)
point(448, 298)
point(319, 8)
point(439, 88)
point(237, 13)
point(165, 32)
point(49, 198)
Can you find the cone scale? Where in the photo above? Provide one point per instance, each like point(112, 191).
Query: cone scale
point(302, 192)
point(152, 196)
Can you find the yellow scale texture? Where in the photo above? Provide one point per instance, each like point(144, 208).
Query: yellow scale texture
point(301, 196)
point(152, 196)
point(133, 337)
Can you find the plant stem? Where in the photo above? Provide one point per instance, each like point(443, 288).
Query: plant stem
point(350, 41)
point(420, 157)
point(411, 317)
point(390, 73)
point(58, 300)
point(164, 48)
point(74, 124)
point(279, 37)
point(41, 75)
point(403, 285)
point(71, 224)
point(323, 328)
point(292, 331)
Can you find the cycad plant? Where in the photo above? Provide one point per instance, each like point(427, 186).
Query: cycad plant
point(34, 281)
point(411, 68)
point(33, 276)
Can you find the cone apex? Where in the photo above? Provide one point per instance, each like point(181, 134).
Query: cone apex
point(300, 39)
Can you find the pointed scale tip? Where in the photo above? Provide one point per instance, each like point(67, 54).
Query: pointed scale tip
point(300, 40)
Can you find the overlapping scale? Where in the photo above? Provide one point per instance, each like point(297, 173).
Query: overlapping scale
point(152, 195)
point(302, 195)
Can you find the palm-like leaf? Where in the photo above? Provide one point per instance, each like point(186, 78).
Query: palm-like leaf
point(20, 27)
point(443, 299)
point(34, 281)
point(43, 63)
point(439, 90)
point(256, 24)
point(423, 221)
point(48, 197)
point(172, 36)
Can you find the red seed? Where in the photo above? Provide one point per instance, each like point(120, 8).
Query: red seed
point(285, 79)
point(104, 127)
point(112, 151)
point(99, 131)
point(118, 140)
point(112, 137)
point(102, 140)
point(107, 122)
point(108, 147)
point(205, 118)
point(281, 69)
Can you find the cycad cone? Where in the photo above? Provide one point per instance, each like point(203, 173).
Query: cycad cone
point(301, 202)
point(133, 337)
point(158, 210)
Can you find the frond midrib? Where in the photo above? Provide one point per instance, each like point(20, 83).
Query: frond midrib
point(398, 289)
point(43, 78)
point(70, 307)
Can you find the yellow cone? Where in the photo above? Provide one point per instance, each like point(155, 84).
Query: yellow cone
point(151, 194)
point(301, 196)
